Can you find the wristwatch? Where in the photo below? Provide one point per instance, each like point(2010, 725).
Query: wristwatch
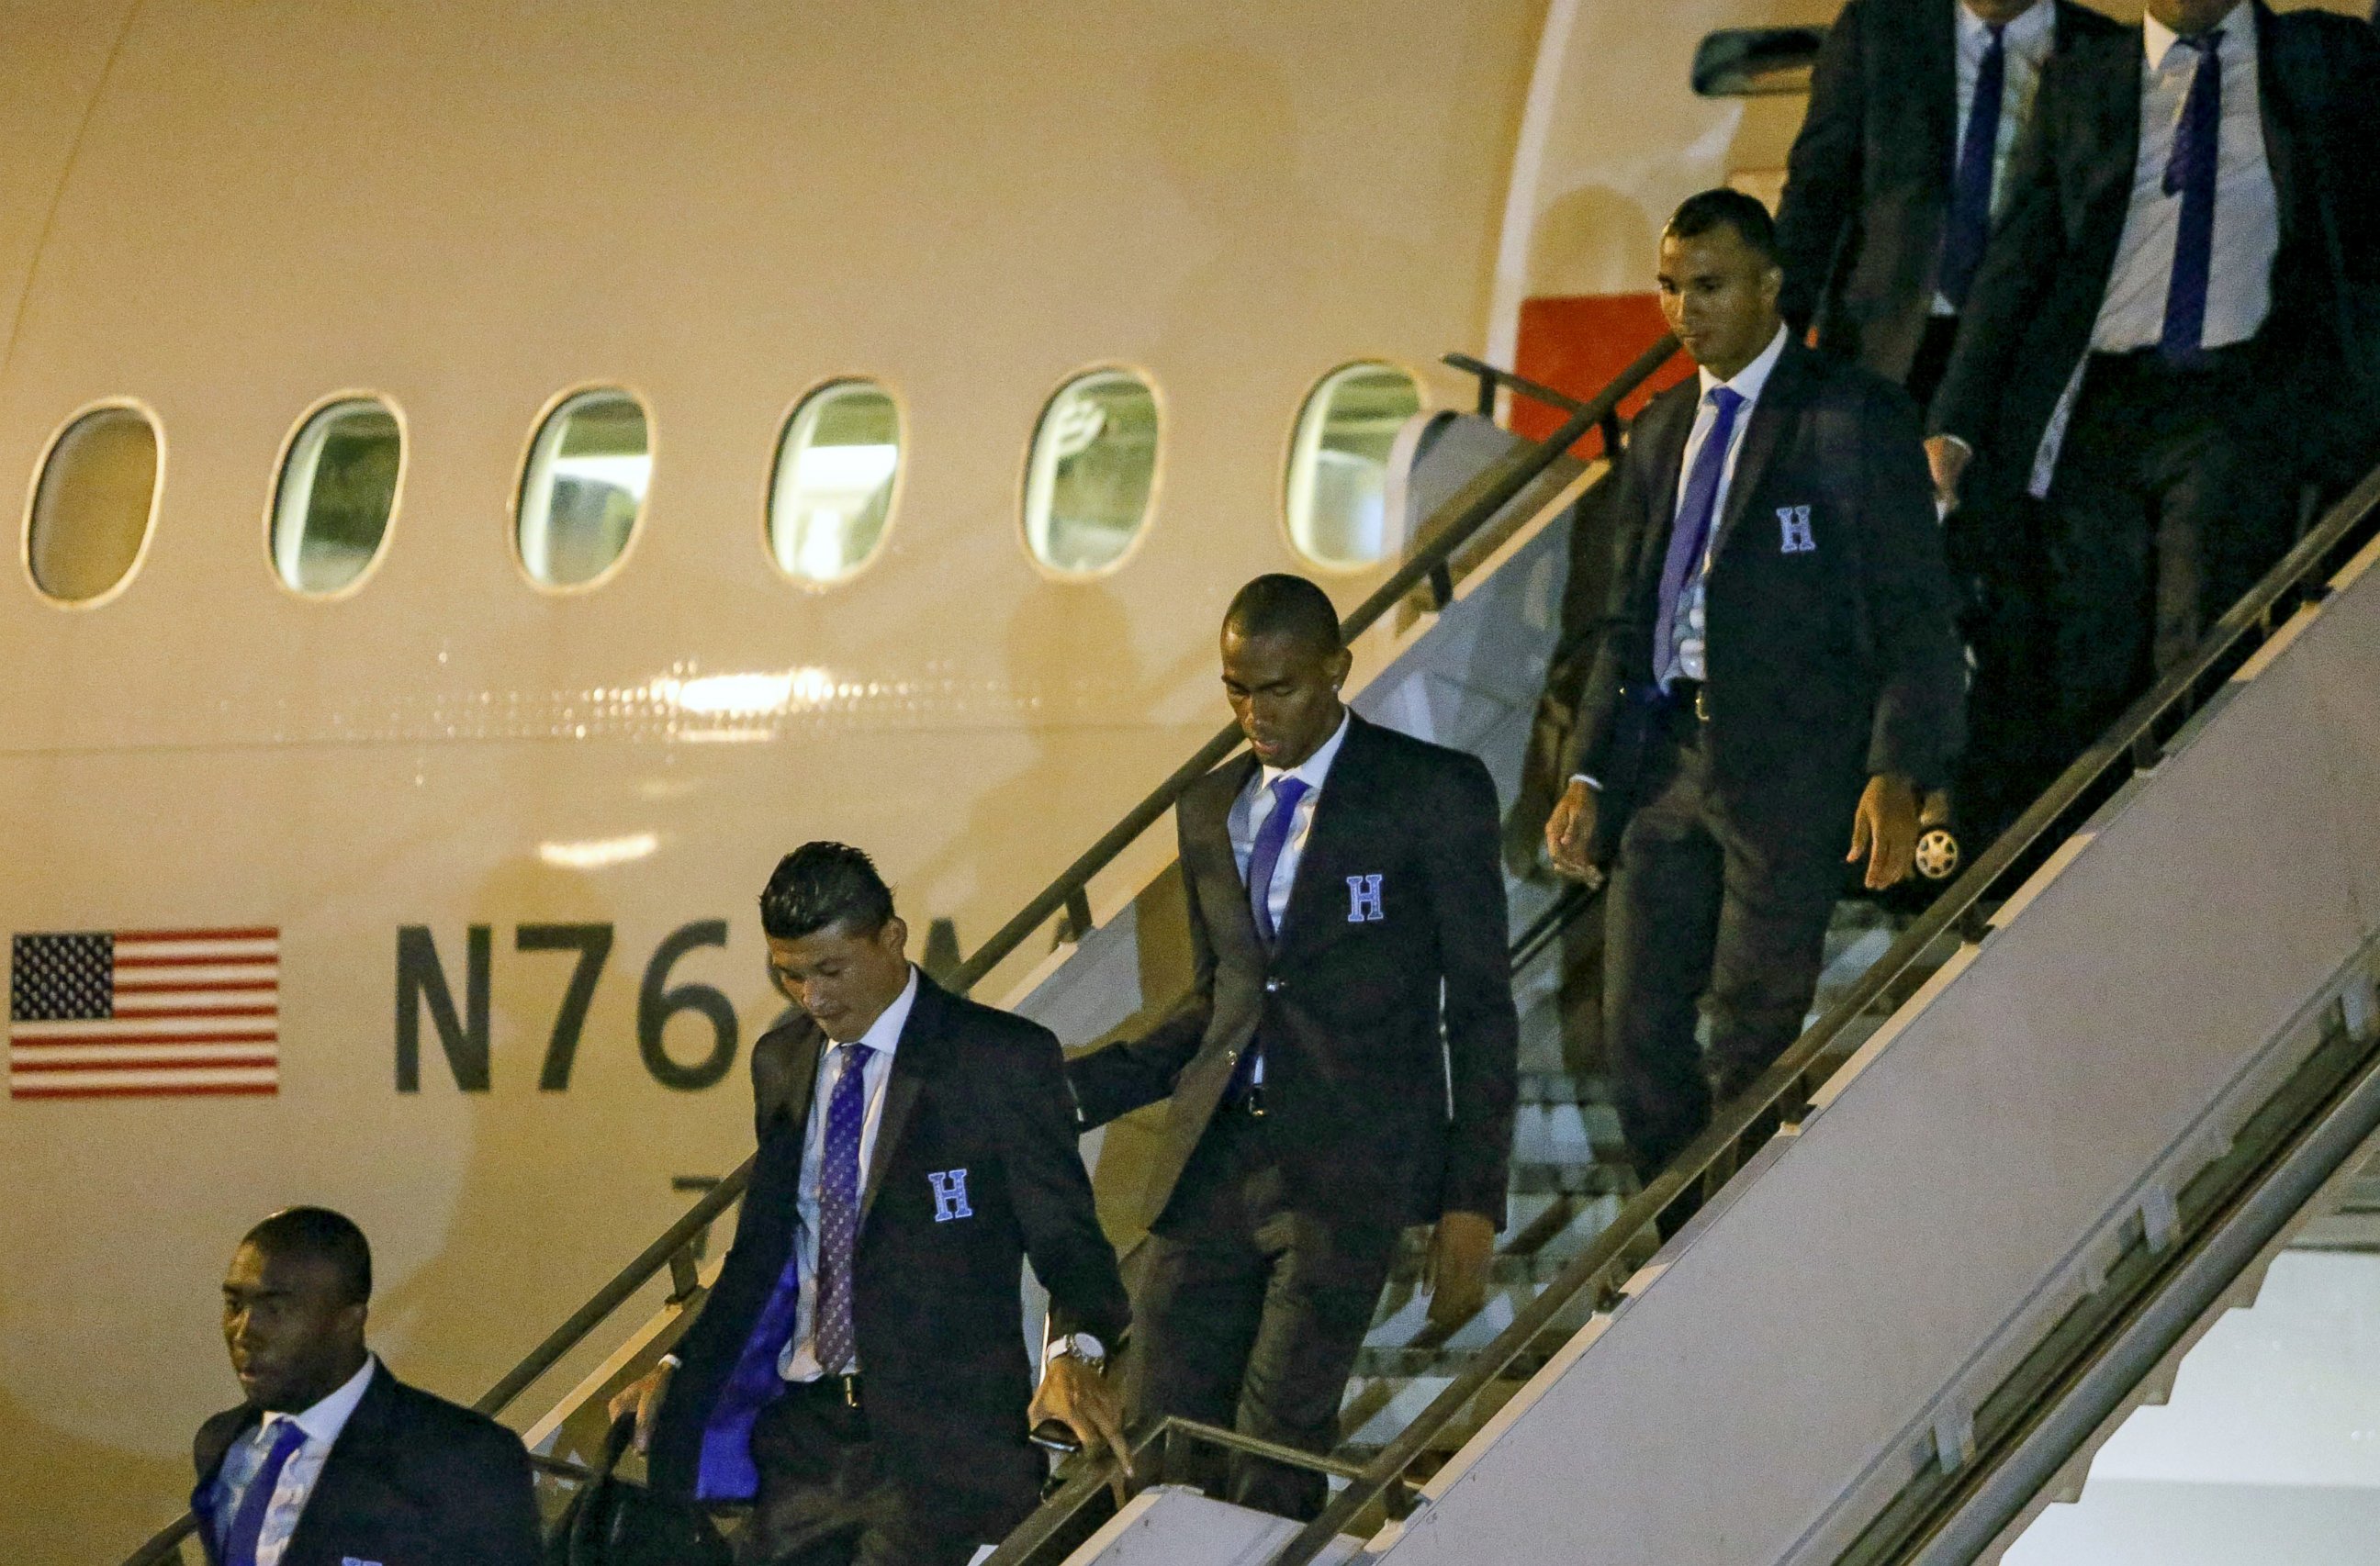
point(1082, 1346)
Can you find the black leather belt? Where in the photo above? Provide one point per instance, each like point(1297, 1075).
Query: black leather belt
point(841, 1390)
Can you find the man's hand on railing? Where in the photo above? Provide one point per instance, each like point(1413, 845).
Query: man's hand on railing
point(1079, 1395)
point(1455, 1268)
point(643, 1397)
point(1885, 832)
point(1570, 832)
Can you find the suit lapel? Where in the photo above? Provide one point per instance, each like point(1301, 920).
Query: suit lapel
point(353, 1455)
point(1779, 399)
point(1336, 818)
point(911, 1062)
point(1937, 64)
point(1208, 814)
point(2273, 104)
point(216, 1438)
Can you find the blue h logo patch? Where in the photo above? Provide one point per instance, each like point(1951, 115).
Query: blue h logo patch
point(949, 1195)
point(1363, 905)
point(1793, 521)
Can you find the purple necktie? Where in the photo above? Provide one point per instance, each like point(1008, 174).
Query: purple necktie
point(847, 1114)
point(247, 1522)
point(1971, 194)
point(1265, 857)
point(1692, 534)
point(2189, 174)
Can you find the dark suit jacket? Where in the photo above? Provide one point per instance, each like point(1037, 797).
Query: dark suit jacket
point(1357, 1068)
point(2036, 300)
point(1824, 665)
point(1868, 184)
point(413, 1480)
point(936, 1305)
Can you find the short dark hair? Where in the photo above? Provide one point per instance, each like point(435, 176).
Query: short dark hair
point(1281, 604)
point(324, 1235)
point(1723, 208)
point(820, 884)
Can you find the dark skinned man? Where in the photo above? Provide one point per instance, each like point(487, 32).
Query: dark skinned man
point(1778, 672)
point(1343, 1068)
point(859, 1371)
point(332, 1460)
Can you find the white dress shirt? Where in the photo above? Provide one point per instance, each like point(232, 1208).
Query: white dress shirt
point(1689, 662)
point(799, 1361)
point(1254, 807)
point(321, 1424)
point(2027, 43)
point(2247, 208)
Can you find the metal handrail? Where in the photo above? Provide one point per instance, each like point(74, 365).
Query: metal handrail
point(1431, 561)
point(1781, 1091)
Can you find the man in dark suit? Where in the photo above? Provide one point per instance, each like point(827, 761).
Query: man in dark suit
point(2178, 318)
point(1915, 110)
point(1890, 191)
point(859, 1371)
point(1343, 1067)
point(1779, 675)
point(332, 1460)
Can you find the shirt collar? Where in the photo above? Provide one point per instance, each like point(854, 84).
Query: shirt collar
point(2030, 27)
point(2239, 29)
point(883, 1035)
point(323, 1422)
point(1315, 768)
point(1751, 377)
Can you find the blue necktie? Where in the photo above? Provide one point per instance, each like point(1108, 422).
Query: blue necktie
point(1971, 193)
point(247, 1522)
point(846, 1113)
point(2189, 174)
point(1692, 534)
point(1265, 857)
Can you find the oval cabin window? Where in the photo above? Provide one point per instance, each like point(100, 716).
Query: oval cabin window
point(832, 490)
point(1337, 489)
point(584, 489)
point(93, 507)
point(1093, 466)
point(338, 490)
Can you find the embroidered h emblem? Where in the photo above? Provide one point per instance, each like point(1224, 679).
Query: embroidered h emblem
point(1795, 522)
point(950, 1195)
point(1363, 905)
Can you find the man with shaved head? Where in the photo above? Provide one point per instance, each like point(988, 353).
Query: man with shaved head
point(1342, 1067)
point(330, 1459)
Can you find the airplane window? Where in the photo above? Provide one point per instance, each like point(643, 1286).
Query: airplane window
point(94, 507)
point(584, 489)
point(338, 487)
point(1336, 490)
point(833, 484)
point(1093, 463)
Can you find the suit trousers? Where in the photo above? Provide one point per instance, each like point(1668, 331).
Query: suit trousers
point(2174, 493)
point(1933, 360)
point(828, 1497)
point(1700, 905)
point(1249, 1317)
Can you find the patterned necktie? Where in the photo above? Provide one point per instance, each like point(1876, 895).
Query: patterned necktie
point(1265, 857)
point(247, 1522)
point(2189, 174)
point(1692, 534)
point(846, 1113)
point(1971, 194)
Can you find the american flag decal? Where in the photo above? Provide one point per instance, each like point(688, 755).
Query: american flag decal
point(154, 1014)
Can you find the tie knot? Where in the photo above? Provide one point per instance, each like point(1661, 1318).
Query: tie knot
point(2204, 42)
point(1287, 790)
point(1999, 31)
point(854, 1056)
point(288, 1437)
point(1727, 399)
